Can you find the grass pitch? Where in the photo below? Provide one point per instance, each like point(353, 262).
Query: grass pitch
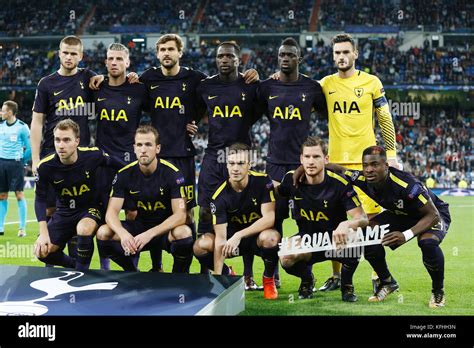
point(405, 264)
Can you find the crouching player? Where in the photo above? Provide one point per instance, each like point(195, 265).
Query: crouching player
point(156, 188)
point(412, 210)
point(71, 172)
point(321, 203)
point(243, 210)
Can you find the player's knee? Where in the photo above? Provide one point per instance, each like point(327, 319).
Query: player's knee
point(19, 195)
point(3, 196)
point(268, 239)
point(86, 228)
point(181, 232)
point(104, 233)
point(130, 215)
point(203, 245)
point(427, 244)
point(287, 261)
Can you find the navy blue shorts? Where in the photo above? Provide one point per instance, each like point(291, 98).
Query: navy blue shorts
point(211, 176)
point(402, 223)
point(187, 166)
point(12, 175)
point(277, 172)
point(136, 227)
point(62, 226)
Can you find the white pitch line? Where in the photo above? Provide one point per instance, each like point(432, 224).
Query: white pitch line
point(17, 222)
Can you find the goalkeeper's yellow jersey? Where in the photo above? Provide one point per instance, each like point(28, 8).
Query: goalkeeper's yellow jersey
point(351, 103)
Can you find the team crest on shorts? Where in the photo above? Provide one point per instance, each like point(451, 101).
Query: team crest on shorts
point(358, 92)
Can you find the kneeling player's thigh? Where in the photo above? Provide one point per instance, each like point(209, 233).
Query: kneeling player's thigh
point(61, 229)
point(395, 222)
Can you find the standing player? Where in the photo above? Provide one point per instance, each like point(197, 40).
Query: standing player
point(118, 106)
point(15, 151)
point(412, 210)
point(172, 90)
point(288, 104)
point(230, 104)
point(321, 203)
point(156, 188)
point(59, 96)
point(72, 173)
point(243, 209)
point(352, 96)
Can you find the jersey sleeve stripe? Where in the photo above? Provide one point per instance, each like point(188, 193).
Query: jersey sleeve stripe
point(422, 199)
point(219, 190)
point(337, 177)
point(251, 172)
point(356, 201)
point(128, 166)
point(46, 159)
point(272, 196)
point(85, 148)
point(398, 181)
point(166, 163)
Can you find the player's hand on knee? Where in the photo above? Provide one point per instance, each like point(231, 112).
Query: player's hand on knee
point(133, 77)
point(141, 240)
point(231, 246)
point(42, 246)
point(393, 239)
point(128, 244)
point(95, 81)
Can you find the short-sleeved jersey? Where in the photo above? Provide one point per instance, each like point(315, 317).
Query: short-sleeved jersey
point(61, 97)
point(231, 108)
point(74, 184)
point(350, 104)
point(151, 194)
point(118, 111)
point(288, 107)
point(401, 194)
point(321, 207)
point(241, 209)
point(172, 106)
point(15, 140)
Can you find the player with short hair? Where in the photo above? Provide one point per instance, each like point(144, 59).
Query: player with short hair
point(230, 105)
point(118, 106)
point(321, 203)
point(352, 96)
point(71, 171)
point(243, 210)
point(412, 210)
point(156, 188)
point(288, 104)
point(61, 95)
point(14, 154)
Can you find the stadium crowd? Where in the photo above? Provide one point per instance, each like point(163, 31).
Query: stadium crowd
point(22, 18)
point(419, 65)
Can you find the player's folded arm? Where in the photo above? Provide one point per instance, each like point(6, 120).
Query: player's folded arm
point(429, 213)
point(177, 218)
point(112, 215)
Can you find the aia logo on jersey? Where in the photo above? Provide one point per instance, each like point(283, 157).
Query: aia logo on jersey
point(358, 92)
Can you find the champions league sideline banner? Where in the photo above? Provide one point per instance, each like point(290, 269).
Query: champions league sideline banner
point(66, 292)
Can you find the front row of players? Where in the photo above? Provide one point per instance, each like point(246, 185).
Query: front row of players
point(243, 211)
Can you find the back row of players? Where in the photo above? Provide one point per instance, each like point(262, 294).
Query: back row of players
point(174, 97)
